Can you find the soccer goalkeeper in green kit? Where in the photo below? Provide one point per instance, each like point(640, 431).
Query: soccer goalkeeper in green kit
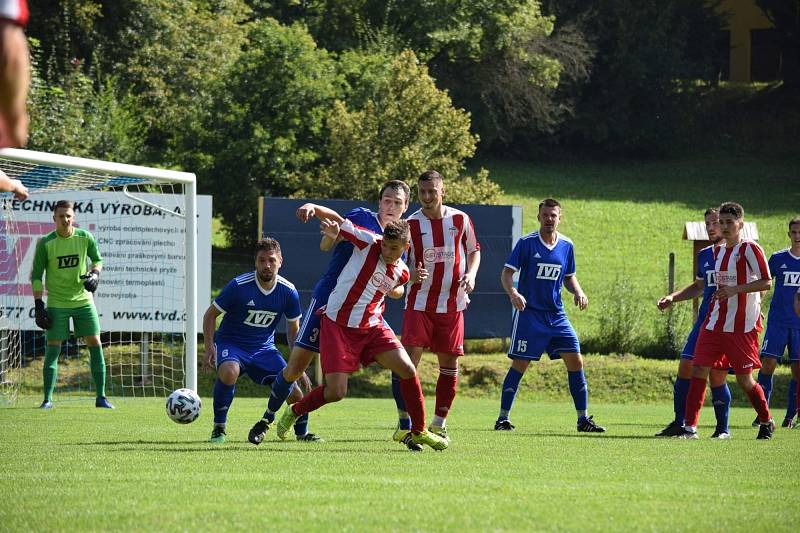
point(61, 256)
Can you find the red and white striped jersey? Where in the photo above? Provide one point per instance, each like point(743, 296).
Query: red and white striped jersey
point(15, 11)
point(442, 245)
point(738, 265)
point(357, 301)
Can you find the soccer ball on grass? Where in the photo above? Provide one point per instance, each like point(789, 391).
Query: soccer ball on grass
point(183, 406)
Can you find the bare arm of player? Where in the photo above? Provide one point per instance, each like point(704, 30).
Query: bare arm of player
point(13, 185)
point(15, 80)
point(326, 244)
point(572, 285)
point(695, 290)
point(507, 281)
point(797, 303)
point(726, 291)
point(308, 211)
point(467, 281)
point(209, 327)
point(292, 328)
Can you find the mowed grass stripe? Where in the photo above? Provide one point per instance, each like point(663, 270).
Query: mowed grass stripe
point(78, 468)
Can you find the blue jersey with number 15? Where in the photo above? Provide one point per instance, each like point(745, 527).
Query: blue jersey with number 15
point(542, 270)
point(252, 313)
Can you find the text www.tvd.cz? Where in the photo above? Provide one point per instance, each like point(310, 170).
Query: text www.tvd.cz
point(173, 316)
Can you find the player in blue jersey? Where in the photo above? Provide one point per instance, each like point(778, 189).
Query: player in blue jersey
point(704, 285)
point(253, 304)
point(545, 261)
point(394, 197)
point(783, 325)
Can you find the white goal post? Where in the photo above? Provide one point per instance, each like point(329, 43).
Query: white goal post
point(142, 263)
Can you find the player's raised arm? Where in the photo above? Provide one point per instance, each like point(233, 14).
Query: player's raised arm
point(209, 327)
point(13, 185)
point(308, 211)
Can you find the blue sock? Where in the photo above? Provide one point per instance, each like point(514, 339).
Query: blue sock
point(791, 405)
point(281, 389)
point(223, 398)
point(403, 419)
point(580, 392)
point(510, 386)
point(765, 380)
point(301, 425)
point(721, 399)
point(679, 392)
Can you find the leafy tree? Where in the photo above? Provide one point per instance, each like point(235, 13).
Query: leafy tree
point(406, 127)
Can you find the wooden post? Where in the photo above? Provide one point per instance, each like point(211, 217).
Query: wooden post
point(671, 274)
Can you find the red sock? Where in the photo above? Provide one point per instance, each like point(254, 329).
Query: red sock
point(415, 403)
point(446, 387)
point(694, 400)
point(310, 402)
point(759, 402)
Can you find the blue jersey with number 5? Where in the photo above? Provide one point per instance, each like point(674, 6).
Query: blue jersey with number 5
point(251, 313)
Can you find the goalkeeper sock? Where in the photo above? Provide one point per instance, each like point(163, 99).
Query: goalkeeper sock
point(281, 389)
point(98, 365)
point(402, 414)
point(510, 386)
point(791, 405)
point(679, 392)
point(721, 400)
point(301, 425)
point(223, 398)
point(765, 380)
point(579, 391)
point(50, 370)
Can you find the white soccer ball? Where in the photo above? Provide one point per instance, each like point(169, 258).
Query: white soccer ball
point(183, 406)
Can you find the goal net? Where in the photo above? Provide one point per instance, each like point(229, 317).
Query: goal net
point(144, 222)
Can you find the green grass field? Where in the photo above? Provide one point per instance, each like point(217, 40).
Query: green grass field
point(77, 468)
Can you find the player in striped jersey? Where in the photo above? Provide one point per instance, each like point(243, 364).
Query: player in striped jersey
point(446, 256)
point(704, 285)
point(733, 321)
point(253, 304)
point(394, 196)
point(353, 331)
point(783, 325)
point(545, 260)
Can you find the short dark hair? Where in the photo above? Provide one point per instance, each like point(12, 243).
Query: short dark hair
point(64, 204)
point(549, 202)
point(397, 230)
point(795, 220)
point(731, 208)
point(396, 186)
point(711, 211)
point(267, 244)
point(430, 175)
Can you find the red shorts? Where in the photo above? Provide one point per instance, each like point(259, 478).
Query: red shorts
point(343, 349)
point(741, 350)
point(441, 332)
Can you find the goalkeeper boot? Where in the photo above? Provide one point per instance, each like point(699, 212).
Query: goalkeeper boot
point(102, 403)
point(672, 430)
point(285, 423)
point(587, 425)
point(217, 435)
point(309, 437)
point(258, 432)
point(503, 425)
point(765, 430)
point(441, 431)
point(47, 404)
point(429, 439)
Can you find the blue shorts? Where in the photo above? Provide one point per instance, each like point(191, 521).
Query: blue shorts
point(262, 366)
point(534, 332)
point(777, 339)
point(688, 348)
point(308, 336)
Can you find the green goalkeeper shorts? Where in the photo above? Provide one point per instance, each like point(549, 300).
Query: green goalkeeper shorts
point(84, 319)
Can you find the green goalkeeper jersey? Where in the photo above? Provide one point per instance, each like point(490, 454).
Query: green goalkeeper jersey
point(64, 260)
